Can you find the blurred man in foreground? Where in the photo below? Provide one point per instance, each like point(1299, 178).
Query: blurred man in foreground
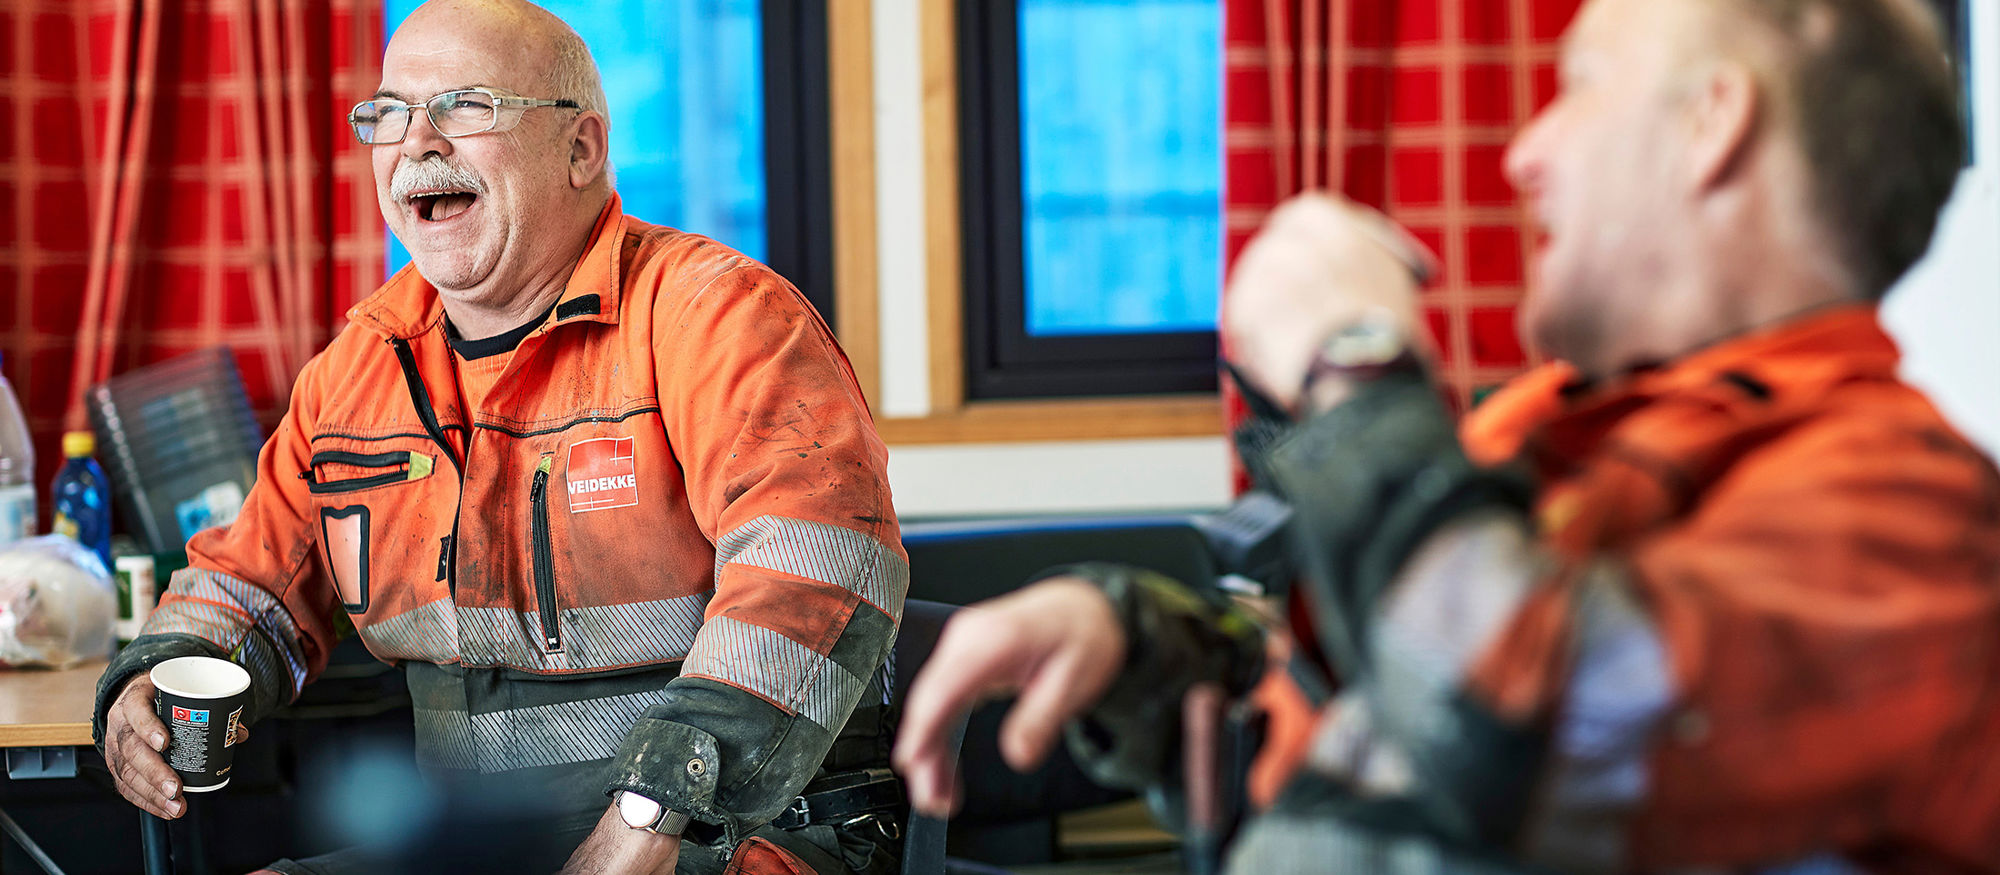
point(1714, 592)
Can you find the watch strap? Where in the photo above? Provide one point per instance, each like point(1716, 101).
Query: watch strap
point(668, 822)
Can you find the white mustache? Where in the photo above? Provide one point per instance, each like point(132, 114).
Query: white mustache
point(432, 175)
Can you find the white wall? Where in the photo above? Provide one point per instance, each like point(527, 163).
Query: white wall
point(899, 206)
point(1066, 477)
point(1946, 316)
point(1946, 313)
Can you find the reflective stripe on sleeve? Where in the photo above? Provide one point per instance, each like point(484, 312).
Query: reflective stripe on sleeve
point(817, 551)
point(224, 610)
point(789, 674)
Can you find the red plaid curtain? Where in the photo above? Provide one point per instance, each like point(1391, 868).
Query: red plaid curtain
point(1406, 105)
point(179, 175)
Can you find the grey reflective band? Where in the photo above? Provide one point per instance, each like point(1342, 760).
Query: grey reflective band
point(223, 610)
point(519, 738)
point(600, 637)
point(845, 558)
point(788, 674)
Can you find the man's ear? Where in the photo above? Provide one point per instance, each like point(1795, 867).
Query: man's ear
point(589, 148)
point(1722, 117)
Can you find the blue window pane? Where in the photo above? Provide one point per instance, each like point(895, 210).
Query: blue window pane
point(1121, 168)
point(685, 82)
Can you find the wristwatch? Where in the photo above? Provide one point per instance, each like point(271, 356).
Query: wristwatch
point(640, 812)
point(1363, 350)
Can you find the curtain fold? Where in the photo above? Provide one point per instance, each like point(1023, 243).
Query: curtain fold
point(180, 175)
point(1406, 105)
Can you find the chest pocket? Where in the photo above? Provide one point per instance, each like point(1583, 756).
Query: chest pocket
point(352, 492)
point(332, 472)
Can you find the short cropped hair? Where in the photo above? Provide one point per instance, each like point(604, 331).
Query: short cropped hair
point(573, 73)
point(1874, 103)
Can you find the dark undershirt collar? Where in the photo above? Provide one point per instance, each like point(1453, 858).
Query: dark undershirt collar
point(495, 345)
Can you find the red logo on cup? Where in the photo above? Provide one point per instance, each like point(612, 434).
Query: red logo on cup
point(601, 476)
point(180, 713)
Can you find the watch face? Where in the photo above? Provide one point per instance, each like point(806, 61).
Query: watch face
point(638, 811)
point(1373, 340)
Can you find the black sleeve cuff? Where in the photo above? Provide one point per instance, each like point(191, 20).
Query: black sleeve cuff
point(677, 766)
point(140, 656)
point(1368, 482)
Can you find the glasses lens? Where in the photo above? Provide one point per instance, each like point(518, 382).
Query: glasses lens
point(457, 113)
point(378, 122)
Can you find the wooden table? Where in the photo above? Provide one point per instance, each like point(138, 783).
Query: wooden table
point(44, 716)
point(43, 708)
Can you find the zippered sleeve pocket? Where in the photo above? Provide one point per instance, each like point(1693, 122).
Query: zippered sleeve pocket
point(544, 556)
point(336, 471)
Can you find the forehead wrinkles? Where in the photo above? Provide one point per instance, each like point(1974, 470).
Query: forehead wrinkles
point(489, 46)
point(424, 71)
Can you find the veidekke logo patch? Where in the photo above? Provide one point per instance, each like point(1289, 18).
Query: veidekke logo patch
point(601, 476)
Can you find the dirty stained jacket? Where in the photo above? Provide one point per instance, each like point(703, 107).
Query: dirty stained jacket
point(672, 506)
point(1750, 620)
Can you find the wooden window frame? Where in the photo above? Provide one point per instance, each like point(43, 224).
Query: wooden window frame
point(953, 417)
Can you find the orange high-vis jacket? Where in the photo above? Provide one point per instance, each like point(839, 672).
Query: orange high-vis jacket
point(1819, 553)
point(673, 489)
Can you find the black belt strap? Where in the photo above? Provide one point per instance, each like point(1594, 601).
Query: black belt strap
point(837, 799)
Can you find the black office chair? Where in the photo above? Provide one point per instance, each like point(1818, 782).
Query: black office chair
point(1009, 818)
point(959, 563)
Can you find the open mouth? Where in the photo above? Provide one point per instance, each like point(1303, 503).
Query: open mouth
point(441, 205)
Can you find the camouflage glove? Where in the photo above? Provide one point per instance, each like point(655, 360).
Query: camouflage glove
point(1175, 638)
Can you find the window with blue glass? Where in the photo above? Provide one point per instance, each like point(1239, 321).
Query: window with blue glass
point(1091, 141)
point(715, 126)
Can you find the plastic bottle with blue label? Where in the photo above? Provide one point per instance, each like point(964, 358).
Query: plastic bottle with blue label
point(17, 469)
point(82, 497)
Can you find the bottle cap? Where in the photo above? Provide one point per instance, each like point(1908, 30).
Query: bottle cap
point(77, 444)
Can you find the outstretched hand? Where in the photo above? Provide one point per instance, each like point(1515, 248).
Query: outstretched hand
point(1057, 643)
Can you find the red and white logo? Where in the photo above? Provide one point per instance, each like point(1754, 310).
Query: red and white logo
point(601, 475)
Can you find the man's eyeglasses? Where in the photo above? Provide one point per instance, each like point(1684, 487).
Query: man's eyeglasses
point(385, 121)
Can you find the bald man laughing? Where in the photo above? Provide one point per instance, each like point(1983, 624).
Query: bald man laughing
point(606, 491)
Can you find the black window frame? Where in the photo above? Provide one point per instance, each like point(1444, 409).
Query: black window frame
point(1002, 360)
point(798, 148)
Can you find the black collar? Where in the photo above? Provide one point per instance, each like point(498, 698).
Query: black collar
point(491, 346)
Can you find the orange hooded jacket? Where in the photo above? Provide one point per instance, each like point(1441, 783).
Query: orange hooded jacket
point(1816, 553)
point(1820, 555)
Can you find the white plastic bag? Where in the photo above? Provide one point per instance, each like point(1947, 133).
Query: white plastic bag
point(56, 604)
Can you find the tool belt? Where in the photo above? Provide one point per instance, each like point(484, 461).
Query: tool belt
point(847, 799)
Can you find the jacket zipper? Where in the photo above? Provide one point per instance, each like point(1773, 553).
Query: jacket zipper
point(428, 416)
point(545, 571)
point(407, 463)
